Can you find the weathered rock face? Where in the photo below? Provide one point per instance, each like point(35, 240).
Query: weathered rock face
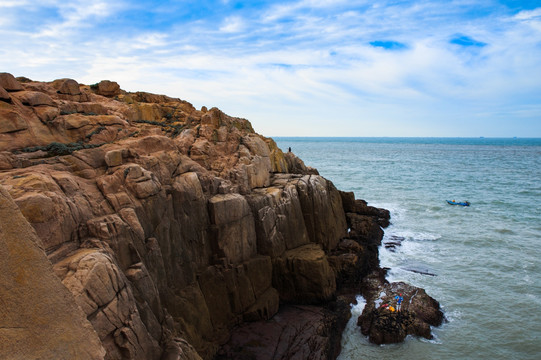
point(38, 317)
point(164, 223)
point(168, 225)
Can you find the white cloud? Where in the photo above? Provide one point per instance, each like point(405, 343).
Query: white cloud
point(232, 24)
point(77, 15)
point(149, 40)
point(308, 59)
point(13, 3)
point(529, 14)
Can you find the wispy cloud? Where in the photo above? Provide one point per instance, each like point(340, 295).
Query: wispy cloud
point(529, 14)
point(74, 15)
point(287, 64)
point(232, 24)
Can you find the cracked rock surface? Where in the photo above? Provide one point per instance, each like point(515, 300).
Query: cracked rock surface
point(156, 229)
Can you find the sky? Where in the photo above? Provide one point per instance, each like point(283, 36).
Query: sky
point(455, 68)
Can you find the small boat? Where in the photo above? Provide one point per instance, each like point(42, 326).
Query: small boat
point(462, 203)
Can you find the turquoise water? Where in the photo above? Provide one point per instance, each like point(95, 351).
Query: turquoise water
point(486, 257)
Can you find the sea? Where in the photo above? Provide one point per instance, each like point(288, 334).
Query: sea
point(482, 262)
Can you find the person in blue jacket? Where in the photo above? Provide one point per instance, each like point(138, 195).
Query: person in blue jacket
point(399, 300)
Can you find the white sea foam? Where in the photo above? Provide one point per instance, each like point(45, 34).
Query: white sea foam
point(435, 339)
point(411, 235)
point(380, 299)
point(352, 338)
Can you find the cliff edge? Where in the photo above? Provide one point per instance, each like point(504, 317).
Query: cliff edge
point(170, 226)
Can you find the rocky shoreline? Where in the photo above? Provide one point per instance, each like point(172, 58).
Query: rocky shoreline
point(167, 232)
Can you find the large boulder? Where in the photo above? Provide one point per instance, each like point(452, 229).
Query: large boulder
point(279, 219)
point(234, 236)
point(323, 211)
point(4, 95)
point(296, 166)
point(68, 89)
point(9, 83)
point(67, 86)
point(303, 275)
point(108, 88)
point(382, 215)
point(383, 326)
point(364, 228)
point(34, 98)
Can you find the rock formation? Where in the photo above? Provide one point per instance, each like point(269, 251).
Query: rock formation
point(168, 225)
point(382, 326)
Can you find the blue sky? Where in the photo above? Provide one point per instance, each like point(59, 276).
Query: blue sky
point(301, 68)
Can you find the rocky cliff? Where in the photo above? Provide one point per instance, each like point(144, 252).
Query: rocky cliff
point(168, 226)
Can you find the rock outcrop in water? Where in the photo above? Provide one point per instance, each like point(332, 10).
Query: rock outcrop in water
point(169, 226)
point(419, 310)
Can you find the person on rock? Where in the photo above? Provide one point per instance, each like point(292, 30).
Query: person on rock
point(399, 300)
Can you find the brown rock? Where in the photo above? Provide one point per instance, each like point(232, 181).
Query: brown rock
point(179, 349)
point(142, 96)
point(9, 83)
point(148, 111)
point(264, 308)
point(234, 234)
point(181, 228)
point(419, 312)
point(23, 79)
point(4, 95)
point(348, 201)
point(113, 158)
point(303, 275)
point(66, 86)
point(323, 211)
point(34, 98)
point(108, 88)
point(296, 332)
point(11, 120)
point(189, 309)
point(259, 271)
point(279, 219)
point(214, 289)
point(104, 294)
point(141, 182)
point(297, 166)
point(365, 229)
point(46, 113)
point(382, 215)
point(6, 161)
point(39, 318)
point(76, 121)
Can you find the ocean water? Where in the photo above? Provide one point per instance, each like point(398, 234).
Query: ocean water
point(486, 258)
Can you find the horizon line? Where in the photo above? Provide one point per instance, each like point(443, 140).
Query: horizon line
point(406, 137)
